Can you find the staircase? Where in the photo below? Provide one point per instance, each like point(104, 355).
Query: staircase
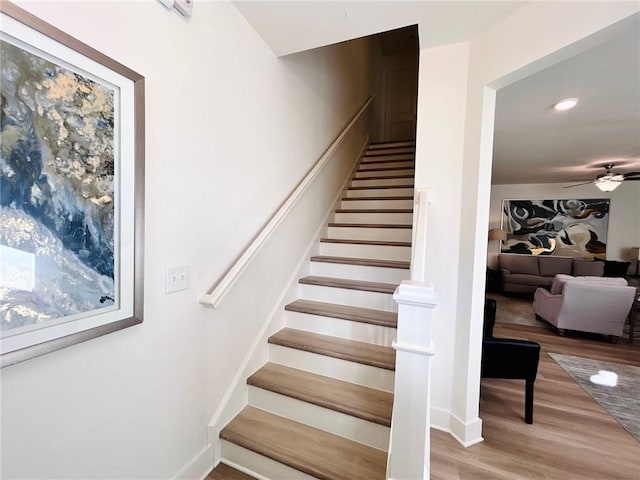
point(321, 407)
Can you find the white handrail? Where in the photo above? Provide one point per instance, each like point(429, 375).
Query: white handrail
point(216, 293)
point(421, 199)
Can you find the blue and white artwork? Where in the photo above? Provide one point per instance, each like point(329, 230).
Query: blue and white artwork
point(57, 192)
point(568, 228)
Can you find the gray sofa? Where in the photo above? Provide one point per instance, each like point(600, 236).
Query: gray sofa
point(525, 273)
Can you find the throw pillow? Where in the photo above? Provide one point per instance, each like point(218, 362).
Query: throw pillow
point(613, 268)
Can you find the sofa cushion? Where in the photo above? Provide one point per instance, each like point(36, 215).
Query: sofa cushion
point(558, 283)
point(587, 268)
point(527, 264)
point(550, 266)
point(524, 279)
point(560, 280)
point(610, 281)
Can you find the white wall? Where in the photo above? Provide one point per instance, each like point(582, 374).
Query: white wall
point(624, 212)
point(231, 130)
point(442, 85)
point(533, 37)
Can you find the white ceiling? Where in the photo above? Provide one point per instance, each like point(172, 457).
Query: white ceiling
point(535, 144)
point(295, 26)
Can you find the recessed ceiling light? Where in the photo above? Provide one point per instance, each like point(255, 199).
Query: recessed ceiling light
point(566, 104)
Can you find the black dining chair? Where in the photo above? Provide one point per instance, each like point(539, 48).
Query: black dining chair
point(509, 358)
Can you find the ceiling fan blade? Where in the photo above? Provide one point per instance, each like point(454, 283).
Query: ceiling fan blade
point(627, 176)
point(632, 178)
point(578, 184)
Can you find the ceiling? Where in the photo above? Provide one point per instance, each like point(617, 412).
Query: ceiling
point(533, 143)
point(294, 26)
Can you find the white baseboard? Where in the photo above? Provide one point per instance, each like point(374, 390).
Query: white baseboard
point(467, 434)
point(440, 419)
point(198, 467)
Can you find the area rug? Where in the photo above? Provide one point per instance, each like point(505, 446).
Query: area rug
point(622, 402)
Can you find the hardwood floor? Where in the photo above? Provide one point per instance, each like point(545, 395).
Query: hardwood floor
point(572, 437)
point(225, 472)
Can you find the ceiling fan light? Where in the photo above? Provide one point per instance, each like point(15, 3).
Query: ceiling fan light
point(566, 104)
point(607, 185)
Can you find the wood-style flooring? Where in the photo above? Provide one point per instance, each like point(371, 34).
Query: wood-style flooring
point(572, 437)
point(224, 472)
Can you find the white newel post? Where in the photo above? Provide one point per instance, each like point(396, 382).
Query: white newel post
point(410, 449)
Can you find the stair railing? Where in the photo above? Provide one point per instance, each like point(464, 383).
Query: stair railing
point(419, 233)
point(215, 294)
point(409, 446)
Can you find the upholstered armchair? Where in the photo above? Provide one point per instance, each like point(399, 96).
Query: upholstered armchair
point(585, 304)
point(509, 358)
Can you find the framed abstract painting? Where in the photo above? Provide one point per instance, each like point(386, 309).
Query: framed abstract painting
point(567, 228)
point(71, 190)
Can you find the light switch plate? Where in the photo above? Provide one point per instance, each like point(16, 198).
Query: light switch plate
point(177, 279)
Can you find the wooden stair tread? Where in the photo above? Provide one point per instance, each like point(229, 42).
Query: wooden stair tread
point(374, 210)
point(383, 152)
point(366, 262)
point(366, 242)
point(336, 347)
point(357, 199)
point(382, 177)
point(377, 287)
point(373, 164)
point(312, 451)
point(401, 143)
point(344, 397)
point(383, 169)
point(405, 157)
point(225, 472)
point(370, 225)
point(380, 187)
point(344, 312)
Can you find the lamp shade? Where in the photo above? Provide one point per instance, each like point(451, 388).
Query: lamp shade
point(497, 234)
point(634, 253)
point(607, 185)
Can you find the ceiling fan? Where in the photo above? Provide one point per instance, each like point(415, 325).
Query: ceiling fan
point(609, 180)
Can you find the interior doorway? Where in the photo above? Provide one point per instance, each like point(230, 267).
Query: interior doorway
point(399, 84)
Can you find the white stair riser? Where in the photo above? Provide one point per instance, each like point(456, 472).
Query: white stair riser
point(260, 464)
point(382, 181)
point(407, 143)
point(389, 173)
point(343, 296)
point(390, 150)
point(380, 192)
point(395, 164)
point(353, 428)
point(370, 204)
point(378, 252)
point(373, 377)
point(365, 233)
point(338, 327)
point(375, 217)
point(360, 272)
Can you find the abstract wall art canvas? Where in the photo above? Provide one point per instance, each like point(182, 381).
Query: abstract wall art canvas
point(71, 158)
point(568, 228)
point(57, 198)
